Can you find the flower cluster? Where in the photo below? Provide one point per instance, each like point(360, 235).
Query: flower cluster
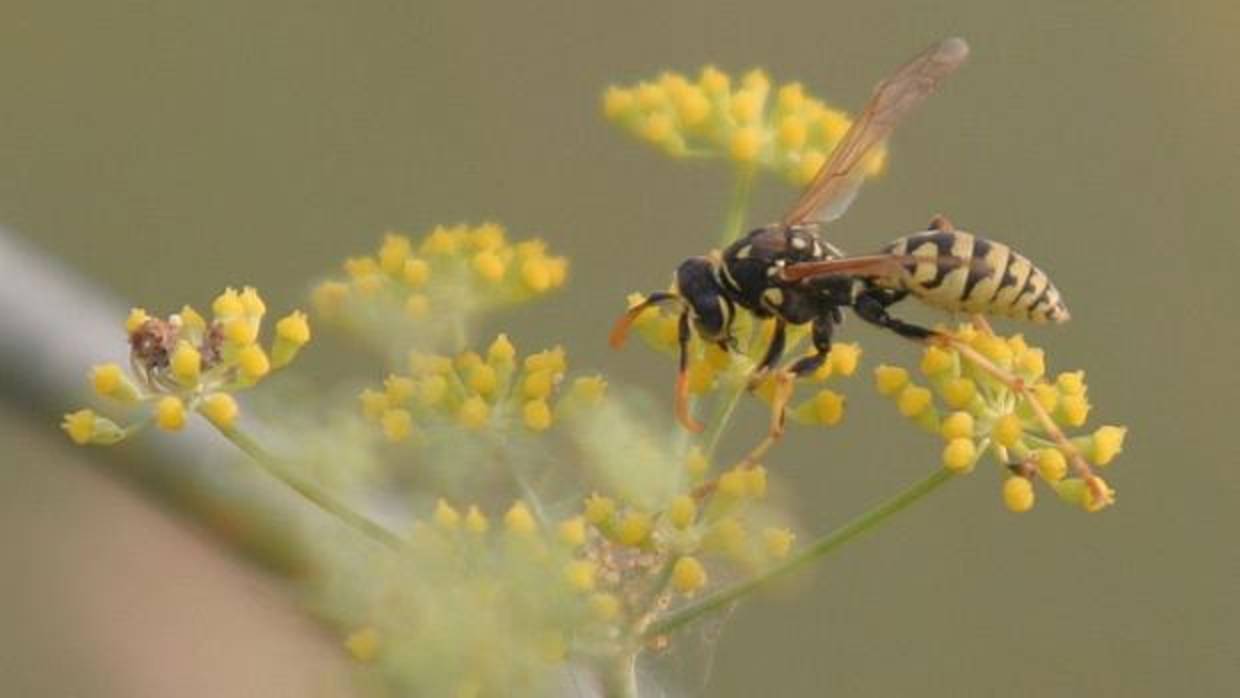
point(492, 392)
point(991, 393)
point(183, 363)
point(452, 271)
point(788, 132)
point(577, 586)
point(711, 367)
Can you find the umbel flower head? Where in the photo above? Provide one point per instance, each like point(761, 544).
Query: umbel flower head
point(183, 363)
point(990, 393)
point(748, 121)
point(451, 273)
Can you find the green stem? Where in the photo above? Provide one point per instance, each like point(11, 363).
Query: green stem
point(619, 677)
point(817, 549)
point(312, 492)
point(738, 204)
point(722, 417)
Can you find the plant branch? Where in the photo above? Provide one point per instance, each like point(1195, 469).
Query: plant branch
point(815, 550)
point(738, 204)
point(312, 492)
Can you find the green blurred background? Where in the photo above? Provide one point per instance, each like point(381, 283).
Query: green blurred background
point(165, 149)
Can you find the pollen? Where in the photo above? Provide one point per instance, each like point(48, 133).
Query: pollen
point(221, 409)
point(536, 415)
point(170, 413)
point(959, 455)
point(474, 412)
point(688, 575)
point(1018, 494)
point(580, 575)
point(519, 520)
point(890, 379)
point(397, 425)
point(599, 509)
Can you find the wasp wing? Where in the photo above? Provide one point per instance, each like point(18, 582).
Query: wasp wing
point(837, 182)
point(878, 265)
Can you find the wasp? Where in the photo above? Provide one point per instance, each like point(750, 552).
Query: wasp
point(787, 271)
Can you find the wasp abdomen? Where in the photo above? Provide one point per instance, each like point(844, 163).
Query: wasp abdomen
point(961, 272)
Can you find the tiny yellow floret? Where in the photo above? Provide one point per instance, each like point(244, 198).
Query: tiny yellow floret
point(483, 379)
point(170, 413)
point(397, 425)
point(589, 389)
point(1007, 430)
point(959, 455)
point(746, 144)
point(733, 483)
point(844, 358)
point(431, 389)
point(936, 361)
point(958, 393)
point(1052, 465)
point(573, 531)
point(489, 266)
point(537, 384)
point(696, 462)
point(393, 253)
point(445, 516)
point(617, 102)
point(80, 426)
point(110, 381)
point(537, 274)
point(633, 528)
point(1018, 494)
point(890, 379)
point(476, 521)
point(913, 400)
point(778, 541)
point(1107, 442)
point(227, 305)
point(328, 298)
point(599, 509)
point(501, 350)
point(363, 644)
point(682, 511)
point(240, 331)
point(957, 425)
point(688, 575)
point(221, 409)
point(416, 272)
point(580, 575)
point(1071, 383)
point(185, 363)
point(252, 303)
point(294, 328)
point(519, 520)
point(253, 362)
point(137, 318)
point(792, 132)
point(474, 412)
point(828, 407)
point(1074, 409)
point(536, 415)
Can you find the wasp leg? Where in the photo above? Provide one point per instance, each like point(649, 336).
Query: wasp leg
point(682, 378)
point(823, 328)
point(773, 352)
point(871, 306)
point(620, 331)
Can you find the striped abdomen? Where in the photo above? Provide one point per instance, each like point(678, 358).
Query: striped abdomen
point(961, 272)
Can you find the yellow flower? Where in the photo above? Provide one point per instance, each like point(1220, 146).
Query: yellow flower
point(589, 389)
point(573, 531)
point(137, 318)
point(483, 379)
point(501, 350)
point(580, 575)
point(476, 521)
point(80, 426)
point(292, 333)
point(1018, 494)
point(957, 425)
point(445, 516)
point(393, 253)
point(363, 644)
point(536, 415)
point(397, 425)
point(1007, 430)
point(253, 362)
point(634, 528)
point(170, 413)
point(1052, 465)
point(374, 403)
point(110, 381)
point(935, 361)
point(688, 575)
point(891, 379)
point(221, 409)
point(778, 541)
point(489, 266)
point(746, 144)
point(474, 412)
point(682, 511)
point(959, 455)
point(185, 363)
point(599, 509)
point(1108, 441)
point(416, 272)
point(519, 520)
point(959, 393)
point(227, 305)
point(913, 400)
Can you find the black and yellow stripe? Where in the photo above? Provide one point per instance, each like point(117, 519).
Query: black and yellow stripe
point(961, 272)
